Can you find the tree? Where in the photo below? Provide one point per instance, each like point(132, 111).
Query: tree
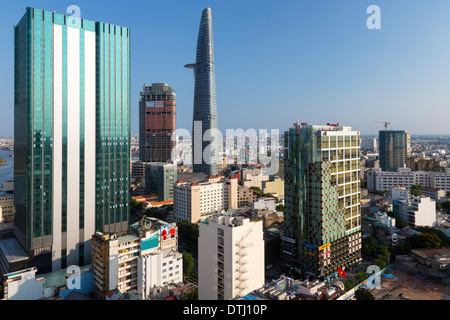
point(383, 251)
point(154, 213)
point(400, 224)
point(416, 191)
point(348, 284)
point(441, 235)
point(280, 208)
point(427, 241)
point(193, 295)
point(188, 263)
point(189, 232)
point(445, 206)
point(369, 246)
point(380, 262)
point(360, 277)
point(362, 294)
point(135, 206)
point(257, 190)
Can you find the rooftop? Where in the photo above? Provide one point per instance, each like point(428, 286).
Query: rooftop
point(432, 253)
point(130, 237)
point(59, 278)
point(190, 177)
point(12, 250)
point(147, 223)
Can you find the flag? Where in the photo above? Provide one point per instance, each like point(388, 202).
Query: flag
point(341, 272)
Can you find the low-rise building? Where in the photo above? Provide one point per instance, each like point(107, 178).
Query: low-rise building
point(379, 180)
point(422, 213)
point(434, 194)
point(146, 258)
point(401, 193)
point(429, 262)
point(286, 288)
point(275, 186)
point(254, 180)
point(194, 202)
point(26, 284)
point(23, 285)
point(244, 196)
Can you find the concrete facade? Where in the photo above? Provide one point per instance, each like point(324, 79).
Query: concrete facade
point(231, 257)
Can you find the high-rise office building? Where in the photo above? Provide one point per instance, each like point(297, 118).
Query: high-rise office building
point(72, 132)
point(157, 123)
point(205, 144)
point(395, 149)
point(159, 180)
point(322, 199)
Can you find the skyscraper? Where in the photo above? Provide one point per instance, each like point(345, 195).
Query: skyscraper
point(159, 179)
point(395, 148)
point(72, 135)
point(322, 199)
point(157, 123)
point(205, 123)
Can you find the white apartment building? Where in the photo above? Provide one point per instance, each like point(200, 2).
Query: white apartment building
point(146, 258)
point(194, 202)
point(386, 180)
point(23, 285)
point(401, 193)
point(422, 212)
point(231, 257)
point(434, 194)
point(265, 204)
point(254, 180)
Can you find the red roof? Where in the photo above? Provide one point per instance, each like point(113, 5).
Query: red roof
point(162, 203)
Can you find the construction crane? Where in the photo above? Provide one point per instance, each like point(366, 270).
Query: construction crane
point(385, 124)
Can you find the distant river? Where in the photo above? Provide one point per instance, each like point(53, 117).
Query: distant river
point(6, 171)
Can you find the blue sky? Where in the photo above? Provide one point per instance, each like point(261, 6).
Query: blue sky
point(279, 60)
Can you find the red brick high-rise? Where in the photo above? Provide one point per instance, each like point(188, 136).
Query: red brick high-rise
point(157, 122)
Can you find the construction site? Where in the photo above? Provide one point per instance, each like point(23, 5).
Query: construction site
point(397, 284)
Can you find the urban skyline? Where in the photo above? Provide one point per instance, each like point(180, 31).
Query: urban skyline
point(319, 212)
point(316, 68)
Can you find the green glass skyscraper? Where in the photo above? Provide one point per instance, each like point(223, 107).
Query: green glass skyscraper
point(72, 133)
point(395, 149)
point(322, 199)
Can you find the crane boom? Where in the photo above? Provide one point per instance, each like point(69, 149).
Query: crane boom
point(385, 124)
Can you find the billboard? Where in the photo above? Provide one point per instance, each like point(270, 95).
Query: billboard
point(150, 243)
point(154, 104)
point(168, 235)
